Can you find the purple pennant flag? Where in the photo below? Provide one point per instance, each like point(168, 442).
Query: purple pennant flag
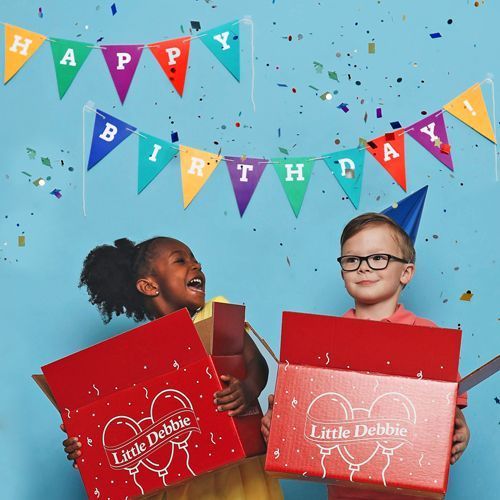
point(431, 134)
point(122, 61)
point(245, 174)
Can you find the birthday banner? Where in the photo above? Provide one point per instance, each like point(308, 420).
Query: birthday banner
point(294, 173)
point(122, 60)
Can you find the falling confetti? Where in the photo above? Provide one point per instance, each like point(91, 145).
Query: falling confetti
point(21, 241)
point(327, 96)
point(283, 150)
point(56, 193)
point(113, 9)
point(343, 107)
point(435, 35)
point(39, 182)
point(31, 153)
point(379, 112)
point(174, 137)
point(318, 67)
point(46, 162)
point(196, 25)
point(40, 13)
point(333, 75)
point(371, 48)
point(466, 296)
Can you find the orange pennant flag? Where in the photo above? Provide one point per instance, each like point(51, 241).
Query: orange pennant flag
point(196, 167)
point(470, 108)
point(20, 45)
point(173, 56)
point(389, 151)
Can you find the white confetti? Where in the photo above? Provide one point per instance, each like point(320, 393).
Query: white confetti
point(420, 460)
point(89, 441)
point(67, 409)
point(146, 390)
point(294, 403)
point(276, 453)
point(176, 365)
point(287, 363)
point(304, 474)
point(420, 375)
point(212, 438)
point(97, 493)
point(96, 389)
point(327, 358)
point(207, 371)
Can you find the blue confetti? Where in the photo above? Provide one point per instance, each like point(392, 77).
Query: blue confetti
point(174, 137)
point(113, 9)
point(435, 35)
point(395, 125)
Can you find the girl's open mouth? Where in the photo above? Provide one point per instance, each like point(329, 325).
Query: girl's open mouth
point(197, 285)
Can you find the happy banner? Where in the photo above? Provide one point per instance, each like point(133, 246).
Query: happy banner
point(294, 173)
point(122, 60)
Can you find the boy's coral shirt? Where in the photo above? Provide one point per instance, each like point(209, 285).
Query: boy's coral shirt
point(405, 317)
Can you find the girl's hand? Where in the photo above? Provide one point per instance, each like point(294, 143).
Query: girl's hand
point(265, 426)
point(72, 448)
point(236, 397)
point(461, 436)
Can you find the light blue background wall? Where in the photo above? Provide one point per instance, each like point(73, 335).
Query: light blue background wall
point(45, 316)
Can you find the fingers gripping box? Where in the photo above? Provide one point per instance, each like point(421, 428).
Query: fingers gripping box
point(365, 405)
point(142, 406)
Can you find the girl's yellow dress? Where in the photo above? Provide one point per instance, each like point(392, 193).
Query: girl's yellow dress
point(244, 481)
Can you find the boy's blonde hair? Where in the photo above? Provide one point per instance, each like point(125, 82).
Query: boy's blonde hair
point(357, 224)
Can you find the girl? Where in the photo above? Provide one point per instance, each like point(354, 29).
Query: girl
point(155, 278)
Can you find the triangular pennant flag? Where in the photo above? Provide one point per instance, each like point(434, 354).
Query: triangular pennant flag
point(430, 132)
point(69, 57)
point(469, 107)
point(154, 155)
point(389, 151)
point(173, 55)
point(122, 61)
point(347, 167)
point(294, 174)
point(224, 43)
point(196, 167)
point(408, 211)
point(245, 174)
point(108, 133)
point(20, 45)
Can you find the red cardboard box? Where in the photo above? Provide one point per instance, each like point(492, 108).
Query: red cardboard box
point(142, 405)
point(368, 406)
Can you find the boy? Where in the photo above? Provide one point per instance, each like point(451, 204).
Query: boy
point(377, 262)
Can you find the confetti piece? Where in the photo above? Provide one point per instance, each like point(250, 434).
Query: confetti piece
point(466, 296)
point(365, 117)
point(21, 241)
point(39, 182)
point(174, 137)
point(182, 28)
point(279, 132)
point(435, 35)
point(379, 112)
point(343, 107)
point(395, 125)
point(196, 25)
point(282, 85)
point(31, 153)
point(333, 75)
point(40, 13)
point(390, 136)
point(288, 261)
point(283, 150)
point(327, 96)
point(113, 9)
point(445, 148)
point(371, 48)
point(26, 173)
point(318, 67)
point(46, 162)
point(56, 193)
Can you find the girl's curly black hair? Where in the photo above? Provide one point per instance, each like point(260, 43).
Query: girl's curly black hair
point(110, 274)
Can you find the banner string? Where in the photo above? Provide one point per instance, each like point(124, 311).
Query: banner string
point(248, 20)
point(490, 81)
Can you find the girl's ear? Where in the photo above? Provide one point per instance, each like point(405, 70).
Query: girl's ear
point(407, 274)
point(147, 287)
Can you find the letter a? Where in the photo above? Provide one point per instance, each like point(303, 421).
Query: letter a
point(69, 56)
point(389, 152)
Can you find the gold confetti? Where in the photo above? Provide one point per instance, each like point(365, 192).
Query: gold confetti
point(466, 296)
point(21, 241)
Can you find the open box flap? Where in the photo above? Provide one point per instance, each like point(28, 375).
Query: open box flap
point(147, 351)
point(374, 346)
point(42, 383)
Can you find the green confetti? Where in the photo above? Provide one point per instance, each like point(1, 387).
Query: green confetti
point(371, 48)
point(46, 162)
point(31, 153)
point(318, 67)
point(314, 88)
point(283, 150)
point(26, 173)
point(333, 75)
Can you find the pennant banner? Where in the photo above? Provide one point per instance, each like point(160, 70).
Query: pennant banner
point(173, 55)
point(431, 134)
point(69, 57)
point(224, 43)
point(108, 133)
point(407, 212)
point(469, 107)
point(20, 45)
point(196, 167)
point(294, 174)
point(154, 155)
point(347, 167)
point(389, 151)
point(245, 174)
point(122, 61)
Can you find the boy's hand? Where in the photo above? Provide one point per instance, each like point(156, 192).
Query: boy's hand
point(72, 447)
point(265, 426)
point(236, 397)
point(461, 436)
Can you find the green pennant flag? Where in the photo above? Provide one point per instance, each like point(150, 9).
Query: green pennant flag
point(294, 174)
point(69, 57)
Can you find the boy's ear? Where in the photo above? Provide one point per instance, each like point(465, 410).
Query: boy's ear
point(147, 287)
point(407, 274)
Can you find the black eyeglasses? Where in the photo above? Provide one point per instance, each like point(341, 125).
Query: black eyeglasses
point(376, 261)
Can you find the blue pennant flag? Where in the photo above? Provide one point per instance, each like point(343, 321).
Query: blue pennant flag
point(108, 133)
point(154, 155)
point(408, 212)
point(224, 43)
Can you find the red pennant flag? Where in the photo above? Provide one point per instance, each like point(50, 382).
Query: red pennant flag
point(389, 151)
point(173, 57)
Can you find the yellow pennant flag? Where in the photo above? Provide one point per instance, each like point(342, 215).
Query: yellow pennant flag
point(470, 108)
point(20, 45)
point(196, 167)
